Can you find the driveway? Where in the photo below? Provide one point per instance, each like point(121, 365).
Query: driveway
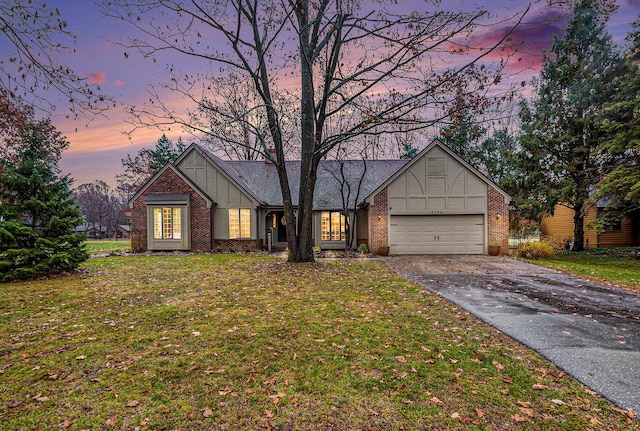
point(590, 331)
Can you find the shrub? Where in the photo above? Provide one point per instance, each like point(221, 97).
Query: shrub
point(362, 248)
point(536, 250)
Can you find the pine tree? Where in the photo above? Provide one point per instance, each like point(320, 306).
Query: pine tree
point(560, 132)
point(38, 214)
point(620, 184)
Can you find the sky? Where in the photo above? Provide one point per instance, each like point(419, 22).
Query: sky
point(97, 146)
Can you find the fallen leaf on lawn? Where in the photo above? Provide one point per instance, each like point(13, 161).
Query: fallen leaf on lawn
point(526, 411)
point(196, 333)
point(65, 423)
point(133, 403)
point(436, 400)
point(81, 357)
point(373, 412)
point(540, 386)
point(207, 412)
point(558, 402)
point(268, 413)
point(523, 403)
point(401, 359)
point(595, 422)
point(110, 421)
point(41, 399)
point(517, 418)
point(14, 404)
point(479, 412)
point(455, 415)
point(507, 379)
point(454, 361)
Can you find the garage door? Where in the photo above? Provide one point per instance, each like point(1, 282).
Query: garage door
point(451, 234)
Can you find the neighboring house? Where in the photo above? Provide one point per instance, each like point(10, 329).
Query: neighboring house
point(92, 230)
point(124, 231)
point(558, 228)
point(435, 203)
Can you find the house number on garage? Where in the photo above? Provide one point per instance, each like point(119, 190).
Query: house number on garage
point(436, 212)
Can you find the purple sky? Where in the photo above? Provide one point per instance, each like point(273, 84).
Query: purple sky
point(98, 146)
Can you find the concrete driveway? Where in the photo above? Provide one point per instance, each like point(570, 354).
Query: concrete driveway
point(590, 331)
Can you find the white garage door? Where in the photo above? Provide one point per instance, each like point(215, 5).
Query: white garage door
point(450, 234)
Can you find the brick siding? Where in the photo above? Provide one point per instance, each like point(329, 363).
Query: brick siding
point(378, 222)
point(498, 220)
point(201, 223)
point(237, 245)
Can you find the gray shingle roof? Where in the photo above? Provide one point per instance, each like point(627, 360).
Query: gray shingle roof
point(261, 179)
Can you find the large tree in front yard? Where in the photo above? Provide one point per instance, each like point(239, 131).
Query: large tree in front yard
point(355, 68)
point(38, 213)
point(560, 127)
point(620, 183)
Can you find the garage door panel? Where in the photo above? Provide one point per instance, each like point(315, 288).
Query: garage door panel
point(449, 234)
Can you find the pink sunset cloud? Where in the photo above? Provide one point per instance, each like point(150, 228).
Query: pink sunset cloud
point(527, 44)
point(96, 78)
point(119, 83)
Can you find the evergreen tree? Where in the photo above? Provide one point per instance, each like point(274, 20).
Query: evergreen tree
point(620, 183)
point(38, 214)
point(139, 168)
point(560, 132)
point(164, 152)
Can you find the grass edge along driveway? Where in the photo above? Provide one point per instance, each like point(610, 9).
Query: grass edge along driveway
point(252, 343)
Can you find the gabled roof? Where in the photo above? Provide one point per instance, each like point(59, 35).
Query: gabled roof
point(450, 152)
point(182, 176)
point(261, 180)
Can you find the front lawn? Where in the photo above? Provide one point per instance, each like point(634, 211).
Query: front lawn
point(106, 246)
point(208, 342)
point(612, 267)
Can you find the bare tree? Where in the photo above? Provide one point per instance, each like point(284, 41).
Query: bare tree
point(374, 65)
point(30, 75)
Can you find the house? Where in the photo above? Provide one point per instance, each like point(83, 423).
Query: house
point(558, 228)
point(435, 203)
point(92, 230)
point(123, 231)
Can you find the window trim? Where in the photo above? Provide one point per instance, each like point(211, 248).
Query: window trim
point(184, 243)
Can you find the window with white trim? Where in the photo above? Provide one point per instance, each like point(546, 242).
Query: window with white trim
point(239, 223)
point(167, 223)
point(333, 226)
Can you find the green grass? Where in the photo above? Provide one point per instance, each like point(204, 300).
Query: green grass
point(252, 343)
point(613, 268)
point(104, 246)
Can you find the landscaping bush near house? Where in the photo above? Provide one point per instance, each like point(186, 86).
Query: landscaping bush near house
point(536, 250)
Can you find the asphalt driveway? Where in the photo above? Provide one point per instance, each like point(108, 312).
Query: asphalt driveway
point(590, 331)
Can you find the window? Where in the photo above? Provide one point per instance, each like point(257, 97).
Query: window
point(167, 223)
point(611, 218)
point(239, 223)
point(333, 225)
